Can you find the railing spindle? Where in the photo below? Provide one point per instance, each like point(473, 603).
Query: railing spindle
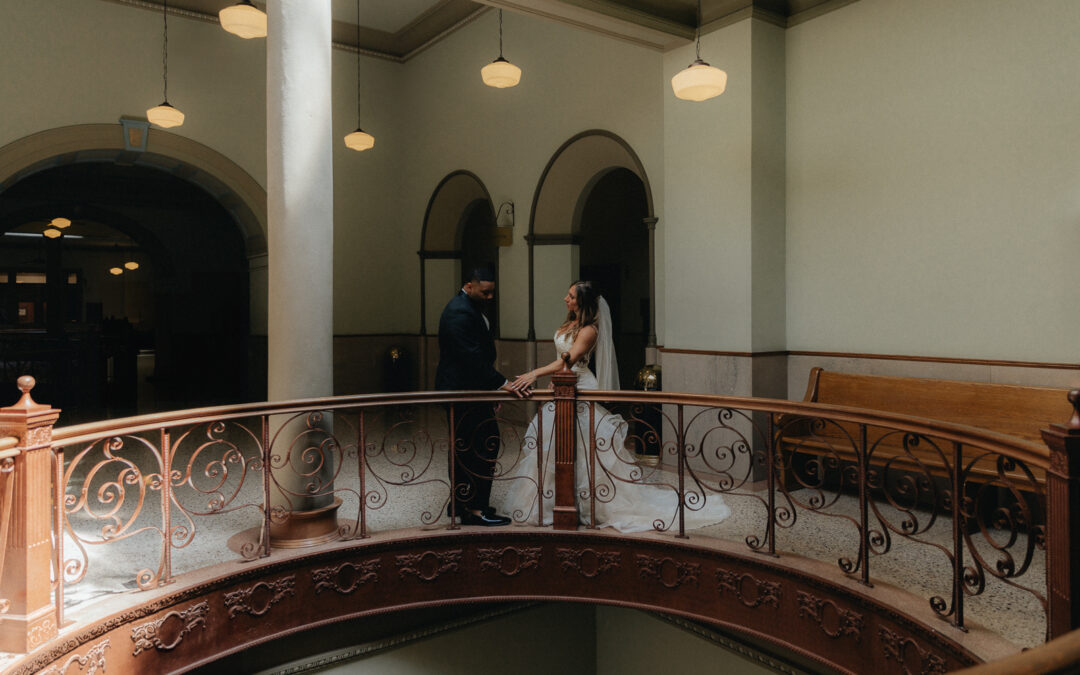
point(59, 514)
point(540, 464)
point(165, 575)
point(680, 438)
point(592, 465)
point(864, 510)
point(452, 461)
point(267, 508)
point(958, 535)
point(770, 483)
point(361, 460)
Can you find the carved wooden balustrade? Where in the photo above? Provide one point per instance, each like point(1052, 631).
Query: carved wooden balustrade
point(140, 502)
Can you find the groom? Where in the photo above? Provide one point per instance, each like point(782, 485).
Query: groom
point(466, 361)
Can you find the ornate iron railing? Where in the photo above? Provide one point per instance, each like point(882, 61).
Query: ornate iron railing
point(301, 472)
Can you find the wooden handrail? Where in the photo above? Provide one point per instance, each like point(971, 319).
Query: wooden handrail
point(1031, 453)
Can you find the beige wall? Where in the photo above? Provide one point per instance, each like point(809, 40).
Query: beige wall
point(706, 220)
point(932, 180)
point(572, 81)
point(929, 151)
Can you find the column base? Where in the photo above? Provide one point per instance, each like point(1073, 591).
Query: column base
point(307, 528)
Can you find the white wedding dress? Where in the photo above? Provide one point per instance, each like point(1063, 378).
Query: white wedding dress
point(629, 498)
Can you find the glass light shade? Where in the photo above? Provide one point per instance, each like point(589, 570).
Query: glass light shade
point(359, 140)
point(500, 74)
point(699, 82)
point(165, 116)
point(115, 271)
point(131, 265)
point(60, 223)
point(244, 20)
point(52, 233)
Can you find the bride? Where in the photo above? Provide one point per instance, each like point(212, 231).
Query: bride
point(627, 498)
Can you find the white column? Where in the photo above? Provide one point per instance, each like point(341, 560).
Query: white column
point(300, 205)
point(300, 199)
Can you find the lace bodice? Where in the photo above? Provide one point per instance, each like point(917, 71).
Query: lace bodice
point(586, 379)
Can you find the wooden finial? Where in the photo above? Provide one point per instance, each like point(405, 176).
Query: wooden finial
point(1074, 421)
point(565, 362)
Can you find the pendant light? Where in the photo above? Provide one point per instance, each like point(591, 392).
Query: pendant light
point(52, 233)
point(500, 73)
point(131, 265)
point(165, 115)
point(358, 140)
point(699, 81)
point(60, 223)
point(116, 271)
point(244, 19)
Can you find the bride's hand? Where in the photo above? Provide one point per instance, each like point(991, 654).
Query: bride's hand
point(524, 383)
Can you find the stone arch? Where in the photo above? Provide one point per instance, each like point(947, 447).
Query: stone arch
point(459, 195)
point(224, 180)
point(555, 217)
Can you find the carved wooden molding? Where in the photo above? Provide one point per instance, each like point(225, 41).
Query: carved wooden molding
point(346, 577)
point(429, 565)
point(587, 562)
point(509, 560)
point(765, 592)
point(896, 645)
point(90, 663)
point(668, 571)
point(253, 600)
point(147, 635)
point(847, 622)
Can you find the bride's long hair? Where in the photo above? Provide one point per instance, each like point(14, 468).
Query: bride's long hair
point(588, 309)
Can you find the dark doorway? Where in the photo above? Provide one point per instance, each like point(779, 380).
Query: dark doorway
point(152, 277)
point(615, 257)
point(478, 248)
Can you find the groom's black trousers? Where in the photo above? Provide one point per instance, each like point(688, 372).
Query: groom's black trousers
point(476, 447)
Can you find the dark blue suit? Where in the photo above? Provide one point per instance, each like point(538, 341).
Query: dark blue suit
point(467, 361)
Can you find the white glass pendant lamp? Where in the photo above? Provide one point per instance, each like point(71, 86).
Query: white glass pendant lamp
point(358, 140)
point(244, 20)
point(699, 81)
point(500, 73)
point(164, 115)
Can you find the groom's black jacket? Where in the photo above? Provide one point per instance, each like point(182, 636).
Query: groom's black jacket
point(466, 349)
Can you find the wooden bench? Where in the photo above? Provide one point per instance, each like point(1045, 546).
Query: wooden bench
point(1019, 411)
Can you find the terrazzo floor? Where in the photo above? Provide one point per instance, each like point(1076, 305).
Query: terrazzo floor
point(920, 567)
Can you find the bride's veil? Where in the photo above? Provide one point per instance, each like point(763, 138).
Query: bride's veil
point(607, 368)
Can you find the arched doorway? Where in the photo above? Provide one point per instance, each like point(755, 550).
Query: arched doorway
point(458, 235)
point(171, 325)
point(592, 217)
point(614, 255)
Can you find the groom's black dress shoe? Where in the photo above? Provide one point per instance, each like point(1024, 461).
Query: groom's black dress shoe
point(487, 518)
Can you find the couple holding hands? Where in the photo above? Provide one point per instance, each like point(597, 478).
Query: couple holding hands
point(466, 361)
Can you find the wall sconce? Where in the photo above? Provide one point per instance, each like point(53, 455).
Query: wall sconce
point(131, 265)
point(60, 223)
point(52, 233)
point(115, 271)
point(504, 216)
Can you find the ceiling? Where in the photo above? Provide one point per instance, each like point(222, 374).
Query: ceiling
point(400, 29)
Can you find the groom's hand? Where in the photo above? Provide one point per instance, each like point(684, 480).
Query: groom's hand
point(516, 392)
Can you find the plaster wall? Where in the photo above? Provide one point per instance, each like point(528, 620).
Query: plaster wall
point(932, 172)
point(572, 81)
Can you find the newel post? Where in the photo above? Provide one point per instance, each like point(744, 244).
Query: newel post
point(25, 583)
point(564, 382)
point(1063, 523)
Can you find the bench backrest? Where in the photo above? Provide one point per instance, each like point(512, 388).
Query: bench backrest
point(1009, 409)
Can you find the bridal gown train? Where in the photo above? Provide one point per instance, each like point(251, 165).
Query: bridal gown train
point(629, 498)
